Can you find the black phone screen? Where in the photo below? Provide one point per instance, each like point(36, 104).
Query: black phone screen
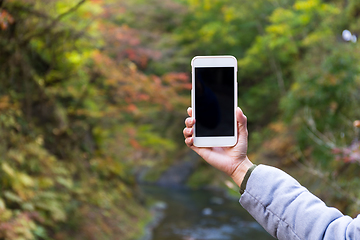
point(214, 101)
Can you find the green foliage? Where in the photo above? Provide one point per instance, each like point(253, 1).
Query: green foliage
point(318, 74)
point(77, 118)
point(324, 94)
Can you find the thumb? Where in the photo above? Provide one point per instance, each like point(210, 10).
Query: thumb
point(242, 125)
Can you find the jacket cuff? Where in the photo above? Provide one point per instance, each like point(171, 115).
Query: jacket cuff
point(247, 175)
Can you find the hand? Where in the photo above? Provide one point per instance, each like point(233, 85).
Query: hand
point(231, 160)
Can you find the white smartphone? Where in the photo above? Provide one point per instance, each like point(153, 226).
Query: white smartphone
point(214, 100)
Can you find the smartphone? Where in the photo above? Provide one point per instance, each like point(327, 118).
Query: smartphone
point(214, 100)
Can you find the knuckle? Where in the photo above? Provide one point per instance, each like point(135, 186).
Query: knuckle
point(186, 121)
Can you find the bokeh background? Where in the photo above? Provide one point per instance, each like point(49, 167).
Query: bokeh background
point(93, 97)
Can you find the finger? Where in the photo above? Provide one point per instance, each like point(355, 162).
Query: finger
point(187, 132)
point(189, 111)
point(189, 141)
point(189, 122)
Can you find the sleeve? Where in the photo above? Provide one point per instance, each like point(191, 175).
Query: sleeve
point(289, 211)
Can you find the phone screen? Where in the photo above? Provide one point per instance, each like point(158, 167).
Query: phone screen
point(214, 101)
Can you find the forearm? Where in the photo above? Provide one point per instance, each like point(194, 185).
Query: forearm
point(289, 211)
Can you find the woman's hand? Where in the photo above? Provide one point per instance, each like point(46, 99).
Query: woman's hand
point(231, 160)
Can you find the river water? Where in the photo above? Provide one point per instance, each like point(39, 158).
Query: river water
point(202, 215)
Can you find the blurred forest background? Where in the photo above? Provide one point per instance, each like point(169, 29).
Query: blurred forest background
point(93, 91)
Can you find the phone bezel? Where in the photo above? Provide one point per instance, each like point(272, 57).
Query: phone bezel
point(214, 61)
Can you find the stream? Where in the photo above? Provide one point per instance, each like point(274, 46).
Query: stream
point(201, 215)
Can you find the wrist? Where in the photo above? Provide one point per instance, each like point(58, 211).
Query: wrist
point(240, 172)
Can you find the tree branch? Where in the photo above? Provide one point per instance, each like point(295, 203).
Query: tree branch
point(55, 21)
point(73, 9)
point(31, 11)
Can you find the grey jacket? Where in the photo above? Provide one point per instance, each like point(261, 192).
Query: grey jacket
point(289, 211)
